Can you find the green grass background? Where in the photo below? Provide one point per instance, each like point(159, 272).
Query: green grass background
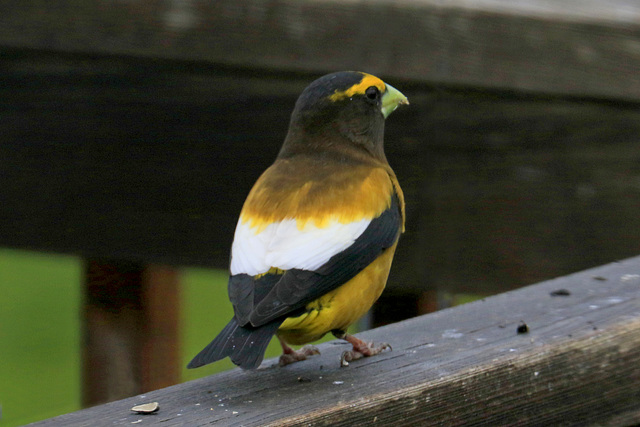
point(39, 336)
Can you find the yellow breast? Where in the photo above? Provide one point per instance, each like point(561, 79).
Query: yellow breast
point(317, 194)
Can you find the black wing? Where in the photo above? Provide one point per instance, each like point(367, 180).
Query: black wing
point(260, 301)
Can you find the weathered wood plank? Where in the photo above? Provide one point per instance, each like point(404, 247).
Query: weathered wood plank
point(578, 364)
point(571, 47)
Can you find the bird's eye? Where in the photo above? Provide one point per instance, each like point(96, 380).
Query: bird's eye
point(372, 92)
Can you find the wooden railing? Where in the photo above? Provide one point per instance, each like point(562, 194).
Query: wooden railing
point(576, 362)
point(570, 47)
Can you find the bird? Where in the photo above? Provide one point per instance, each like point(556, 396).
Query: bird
point(317, 233)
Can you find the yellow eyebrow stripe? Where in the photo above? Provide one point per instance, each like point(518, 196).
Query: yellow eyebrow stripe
point(358, 89)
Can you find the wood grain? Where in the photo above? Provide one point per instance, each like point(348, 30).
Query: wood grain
point(578, 364)
point(564, 47)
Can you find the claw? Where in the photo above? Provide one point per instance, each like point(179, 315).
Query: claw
point(290, 355)
point(361, 349)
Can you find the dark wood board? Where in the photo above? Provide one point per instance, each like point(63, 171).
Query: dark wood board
point(150, 161)
point(583, 48)
point(579, 363)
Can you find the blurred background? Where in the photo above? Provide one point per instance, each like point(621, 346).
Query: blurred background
point(131, 132)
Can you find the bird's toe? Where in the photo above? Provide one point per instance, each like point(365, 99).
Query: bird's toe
point(362, 349)
point(293, 356)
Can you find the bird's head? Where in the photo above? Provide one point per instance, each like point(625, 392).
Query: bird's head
point(347, 107)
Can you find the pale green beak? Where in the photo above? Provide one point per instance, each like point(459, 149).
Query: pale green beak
point(391, 99)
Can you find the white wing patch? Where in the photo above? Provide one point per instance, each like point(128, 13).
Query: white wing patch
point(284, 246)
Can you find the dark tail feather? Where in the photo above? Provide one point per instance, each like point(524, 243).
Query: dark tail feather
point(245, 346)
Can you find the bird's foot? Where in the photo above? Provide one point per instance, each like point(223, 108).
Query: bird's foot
point(361, 349)
point(290, 355)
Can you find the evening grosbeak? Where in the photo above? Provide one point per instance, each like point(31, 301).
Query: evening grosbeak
point(316, 236)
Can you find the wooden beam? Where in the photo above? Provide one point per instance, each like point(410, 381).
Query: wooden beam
point(160, 363)
point(571, 47)
point(578, 361)
point(131, 326)
point(504, 189)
